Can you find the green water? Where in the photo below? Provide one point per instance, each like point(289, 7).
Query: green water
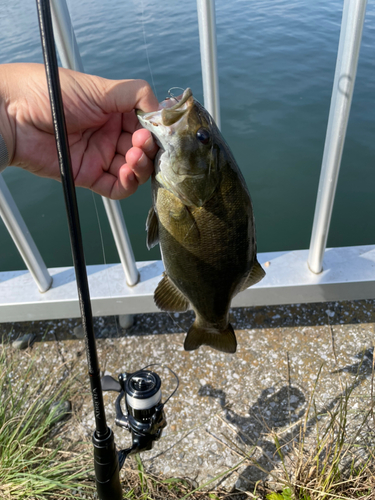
point(276, 66)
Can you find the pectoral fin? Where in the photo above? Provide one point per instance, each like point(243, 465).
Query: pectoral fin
point(183, 224)
point(222, 340)
point(256, 274)
point(169, 298)
point(152, 228)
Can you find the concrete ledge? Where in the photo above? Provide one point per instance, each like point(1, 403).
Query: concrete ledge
point(348, 274)
point(226, 405)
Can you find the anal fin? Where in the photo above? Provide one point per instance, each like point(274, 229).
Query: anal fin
point(222, 340)
point(169, 298)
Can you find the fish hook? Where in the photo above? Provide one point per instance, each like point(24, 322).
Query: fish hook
point(171, 96)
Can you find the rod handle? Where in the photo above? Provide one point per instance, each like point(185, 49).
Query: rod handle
point(106, 463)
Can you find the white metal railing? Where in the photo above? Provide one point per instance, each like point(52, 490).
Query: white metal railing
point(208, 45)
point(353, 17)
point(348, 273)
point(70, 58)
point(22, 238)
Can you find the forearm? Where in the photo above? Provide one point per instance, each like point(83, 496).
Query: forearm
point(7, 124)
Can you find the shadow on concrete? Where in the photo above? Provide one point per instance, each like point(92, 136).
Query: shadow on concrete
point(275, 409)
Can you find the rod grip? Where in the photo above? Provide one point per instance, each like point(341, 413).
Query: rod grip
point(106, 465)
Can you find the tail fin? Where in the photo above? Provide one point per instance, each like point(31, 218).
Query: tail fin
point(222, 340)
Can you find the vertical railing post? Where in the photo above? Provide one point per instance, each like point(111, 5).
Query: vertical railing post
point(343, 86)
point(70, 58)
point(122, 240)
point(22, 238)
point(208, 46)
point(65, 38)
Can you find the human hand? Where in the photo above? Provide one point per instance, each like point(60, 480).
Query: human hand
point(111, 154)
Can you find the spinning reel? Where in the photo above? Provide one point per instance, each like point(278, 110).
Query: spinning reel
point(144, 417)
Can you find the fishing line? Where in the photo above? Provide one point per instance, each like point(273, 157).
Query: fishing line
point(173, 96)
point(109, 294)
point(100, 227)
point(183, 330)
point(79, 132)
point(103, 248)
point(95, 204)
point(145, 42)
point(171, 371)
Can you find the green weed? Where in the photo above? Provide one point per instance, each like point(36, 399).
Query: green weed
point(32, 462)
point(334, 464)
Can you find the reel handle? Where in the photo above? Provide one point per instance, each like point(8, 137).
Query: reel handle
point(110, 384)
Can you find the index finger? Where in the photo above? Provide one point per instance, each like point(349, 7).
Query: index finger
point(122, 96)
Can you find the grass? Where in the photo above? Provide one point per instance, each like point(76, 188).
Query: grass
point(337, 463)
point(331, 459)
point(140, 485)
point(33, 464)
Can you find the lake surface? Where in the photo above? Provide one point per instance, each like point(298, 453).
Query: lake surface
point(276, 66)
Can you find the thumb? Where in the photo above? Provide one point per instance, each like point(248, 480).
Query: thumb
point(122, 96)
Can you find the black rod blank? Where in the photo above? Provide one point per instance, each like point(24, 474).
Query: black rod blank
point(58, 117)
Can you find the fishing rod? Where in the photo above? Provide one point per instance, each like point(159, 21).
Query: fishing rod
point(144, 416)
point(105, 456)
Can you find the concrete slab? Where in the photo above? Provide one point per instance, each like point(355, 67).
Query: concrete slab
point(227, 405)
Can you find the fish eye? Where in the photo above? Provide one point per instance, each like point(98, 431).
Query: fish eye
point(203, 135)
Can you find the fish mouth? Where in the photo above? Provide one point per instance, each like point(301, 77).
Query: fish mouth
point(181, 100)
point(166, 125)
point(165, 122)
point(168, 113)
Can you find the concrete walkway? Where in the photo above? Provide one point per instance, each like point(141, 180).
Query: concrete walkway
point(227, 406)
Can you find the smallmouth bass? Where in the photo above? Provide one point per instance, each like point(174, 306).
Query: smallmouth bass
point(202, 217)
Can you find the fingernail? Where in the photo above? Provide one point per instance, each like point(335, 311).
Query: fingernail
point(131, 176)
point(142, 162)
point(148, 145)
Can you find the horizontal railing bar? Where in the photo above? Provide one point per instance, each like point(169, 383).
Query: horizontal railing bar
point(349, 274)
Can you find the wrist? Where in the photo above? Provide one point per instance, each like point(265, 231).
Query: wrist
point(7, 128)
